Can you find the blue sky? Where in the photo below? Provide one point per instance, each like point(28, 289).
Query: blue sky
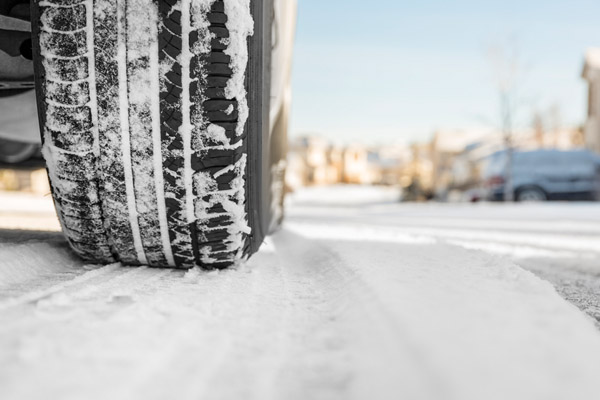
point(395, 71)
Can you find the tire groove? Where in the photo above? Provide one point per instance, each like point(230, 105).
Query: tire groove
point(112, 173)
point(142, 27)
point(173, 160)
point(125, 133)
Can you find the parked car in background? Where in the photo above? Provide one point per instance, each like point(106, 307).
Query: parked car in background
point(545, 175)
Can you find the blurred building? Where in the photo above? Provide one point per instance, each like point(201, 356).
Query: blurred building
point(390, 161)
point(591, 73)
point(314, 161)
point(417, 179)
point(446, 146)
point(450, 166)
point(359, 166)
point(24, 180)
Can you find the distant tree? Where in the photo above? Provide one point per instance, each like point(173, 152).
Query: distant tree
point(554, 122)
point(578, 136)
point(507, 70)
point(547, 125)
point(539, 128)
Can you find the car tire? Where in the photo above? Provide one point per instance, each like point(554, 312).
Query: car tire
point(152, 116)
point(530, 194)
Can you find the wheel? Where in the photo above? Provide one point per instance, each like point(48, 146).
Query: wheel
point(531, 194)
point(12, 152)
point(154, 117)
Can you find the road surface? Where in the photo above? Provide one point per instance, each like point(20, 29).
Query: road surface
point(356, 297)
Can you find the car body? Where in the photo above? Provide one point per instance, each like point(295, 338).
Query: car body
point(545, 175)
point(19, 134)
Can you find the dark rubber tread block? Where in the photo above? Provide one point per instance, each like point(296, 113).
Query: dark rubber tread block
point(72, 141)
point(66, 69)
point(65, 19)
point(221, 33)
point(215, 93)
point(219, 70)
point(217, 82)
point(221, 116)
point(70, 118)
point(71, 94)
point(65, 44)
point(217, 18)
point(219, 43)
point(217, 7)
point(218, 105)
point(66, 2)
point(216, 57)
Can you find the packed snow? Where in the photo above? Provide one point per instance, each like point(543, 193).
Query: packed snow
point(357, 296)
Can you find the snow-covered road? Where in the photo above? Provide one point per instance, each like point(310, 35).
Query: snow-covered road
point(356, 297)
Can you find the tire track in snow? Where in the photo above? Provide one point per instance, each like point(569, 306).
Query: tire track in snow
point(380, 230)
point(564, 252)
point(255, 353)
point(282, 326)
point(277, 307)
point(246, 298)
point(102, 292)
point(103, 280)
point(347, 330)
point(304, 321)
point(423, 290)
point(36, 295)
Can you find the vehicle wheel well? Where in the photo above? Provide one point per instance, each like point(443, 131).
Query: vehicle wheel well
point(523, 188)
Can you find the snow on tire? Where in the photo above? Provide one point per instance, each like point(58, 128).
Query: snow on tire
point(143, 113)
